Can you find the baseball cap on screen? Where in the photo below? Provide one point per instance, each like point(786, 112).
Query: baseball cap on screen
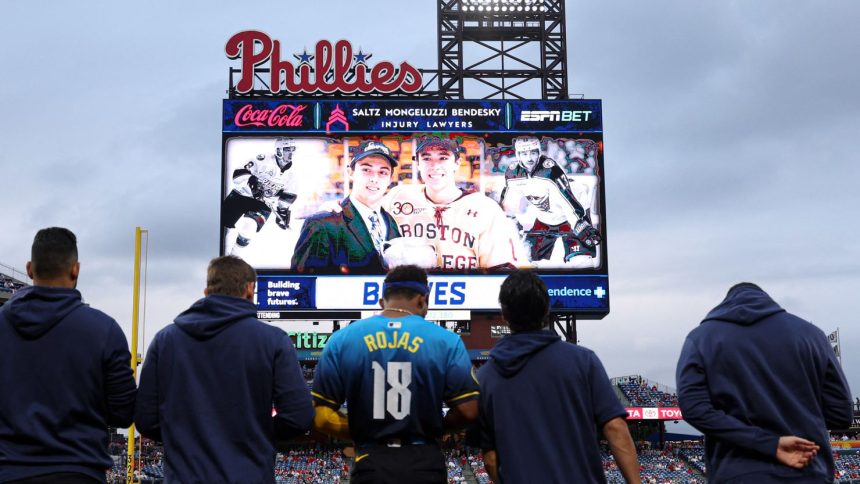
point(426, 142)
point(373, 148)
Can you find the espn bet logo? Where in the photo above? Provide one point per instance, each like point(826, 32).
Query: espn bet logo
point(564, 116)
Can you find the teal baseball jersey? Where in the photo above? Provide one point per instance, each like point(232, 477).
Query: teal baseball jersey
point(394, 374)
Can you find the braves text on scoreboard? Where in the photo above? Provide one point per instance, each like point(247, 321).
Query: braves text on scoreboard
point(323, 196)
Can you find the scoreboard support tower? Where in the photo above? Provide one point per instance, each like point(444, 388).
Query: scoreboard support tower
point(566, 325)
point(492, 50)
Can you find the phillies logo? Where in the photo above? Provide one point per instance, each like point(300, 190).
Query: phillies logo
point(331, 68)
point(285, 115)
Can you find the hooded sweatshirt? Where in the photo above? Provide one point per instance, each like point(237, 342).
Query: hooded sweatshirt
point(207, 389)
point(542, 402)
point(65, 376)
point(750, 373)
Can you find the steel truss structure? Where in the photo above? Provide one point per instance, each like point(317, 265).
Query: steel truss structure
point(503, 53)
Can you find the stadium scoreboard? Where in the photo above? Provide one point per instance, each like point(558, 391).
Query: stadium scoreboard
point(287, 161)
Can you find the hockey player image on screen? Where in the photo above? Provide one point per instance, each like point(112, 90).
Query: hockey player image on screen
point(263, 185)
point(544, 184)
point(467, 229)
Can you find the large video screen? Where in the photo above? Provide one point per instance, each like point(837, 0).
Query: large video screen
point(323, 197)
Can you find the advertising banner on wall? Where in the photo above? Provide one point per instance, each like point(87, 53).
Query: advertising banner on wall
point(654, 413)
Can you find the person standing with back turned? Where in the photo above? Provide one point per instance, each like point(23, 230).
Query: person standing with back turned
point(65, 374)
point(763, 386)
point(543, 400)
point(394, 371)
point(210, 380)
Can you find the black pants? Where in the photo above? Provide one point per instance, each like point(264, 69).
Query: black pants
point(236, 205)
point(414, 464)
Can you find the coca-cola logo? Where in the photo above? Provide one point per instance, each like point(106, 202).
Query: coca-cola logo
point(283, 116)
point(331, 68)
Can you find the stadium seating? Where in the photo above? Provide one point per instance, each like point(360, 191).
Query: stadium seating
point(10, 284)
point(476, 461)
point(315, 463)
point(679, 462)
point(311, 464)
point(694, 455)
point(655, 466)
point(454, 463)
point(640, 392)
point(847, 466)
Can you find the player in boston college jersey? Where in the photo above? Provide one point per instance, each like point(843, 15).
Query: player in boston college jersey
point(468, 230)
point(546, 187)
point(261, 186)
point(394, 371)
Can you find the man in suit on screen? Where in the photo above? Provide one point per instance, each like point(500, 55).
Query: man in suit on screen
point(353, 239)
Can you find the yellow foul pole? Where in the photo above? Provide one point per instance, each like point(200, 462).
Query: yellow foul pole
point(129, 466)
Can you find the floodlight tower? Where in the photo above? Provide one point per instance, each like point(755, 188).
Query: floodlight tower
point(502, 49)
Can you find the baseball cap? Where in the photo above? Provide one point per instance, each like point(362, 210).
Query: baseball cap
point(426, 142)
point(371, 148)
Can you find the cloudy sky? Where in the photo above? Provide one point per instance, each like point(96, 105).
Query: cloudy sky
point(732, 132)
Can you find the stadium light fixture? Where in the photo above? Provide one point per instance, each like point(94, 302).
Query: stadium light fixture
point(506, 6)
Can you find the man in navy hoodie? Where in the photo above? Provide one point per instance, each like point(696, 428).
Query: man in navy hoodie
point(65, 374)
point(543, 400)
point(211, 379)
point(763, 386)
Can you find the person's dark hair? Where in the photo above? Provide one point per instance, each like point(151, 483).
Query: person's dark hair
point(524, 300)
point(404, 273)
point(55, 250)
point(229, 275)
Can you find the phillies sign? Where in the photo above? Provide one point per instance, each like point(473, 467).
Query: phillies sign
point(330, 68)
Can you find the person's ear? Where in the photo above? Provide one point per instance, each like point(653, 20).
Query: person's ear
point(75, 271)
point(30, 269)
point(249, 291)
point(205, 291)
